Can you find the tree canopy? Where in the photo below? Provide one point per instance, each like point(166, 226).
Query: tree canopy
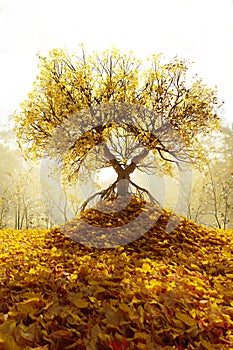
point(111, 109)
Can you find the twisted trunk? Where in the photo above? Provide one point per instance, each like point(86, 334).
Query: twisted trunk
point(121, 185)
point(123, 174)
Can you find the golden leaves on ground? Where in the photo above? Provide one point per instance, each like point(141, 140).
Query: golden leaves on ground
point(163, 291)
point(112, 223)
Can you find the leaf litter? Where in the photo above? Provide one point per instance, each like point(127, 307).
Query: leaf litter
point(162, 291)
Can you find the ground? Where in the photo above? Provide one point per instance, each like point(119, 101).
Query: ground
point(166, 290)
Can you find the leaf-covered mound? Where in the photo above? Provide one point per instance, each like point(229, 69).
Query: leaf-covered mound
point(114, 222)
point(162, 291)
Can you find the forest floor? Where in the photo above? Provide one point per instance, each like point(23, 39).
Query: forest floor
point(164, 290)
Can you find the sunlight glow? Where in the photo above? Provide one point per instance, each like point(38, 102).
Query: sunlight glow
point(105, 177)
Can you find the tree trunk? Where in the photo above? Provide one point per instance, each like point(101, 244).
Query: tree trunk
point(123, 174)
point(122, 187)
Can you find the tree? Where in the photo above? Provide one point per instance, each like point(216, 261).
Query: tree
point(20, 202)
point(4, 207)
point(111, 110)
point(195, 200)
point(219, 183)
point(211, 200)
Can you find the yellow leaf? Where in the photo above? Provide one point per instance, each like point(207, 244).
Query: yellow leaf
point(194, 267)
point(80, 303)
point(141, 335)
point(207, 345)
point(141, 313)
point(113, 317)
point(146, 267)
point(124, 307)
point(135, 300)
point(92, 299)
point(185, 318)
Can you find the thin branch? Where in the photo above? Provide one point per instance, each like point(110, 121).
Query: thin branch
point(141, 189)
point(104, 194)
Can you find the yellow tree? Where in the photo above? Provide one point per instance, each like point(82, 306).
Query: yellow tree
point(111, 109)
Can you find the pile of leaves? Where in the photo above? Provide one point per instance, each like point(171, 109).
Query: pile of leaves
point(165, 290)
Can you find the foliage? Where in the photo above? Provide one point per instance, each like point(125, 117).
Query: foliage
point(164, 291)
point(79, 103)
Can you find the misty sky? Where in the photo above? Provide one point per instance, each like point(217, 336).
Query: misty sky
point(198, 30)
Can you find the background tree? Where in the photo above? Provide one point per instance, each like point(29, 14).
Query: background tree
point(4, 206)
point(211, 200)
point(219, 181)
point(195, 200)
point(20, 197)
point(111, 110)
point(9, 162)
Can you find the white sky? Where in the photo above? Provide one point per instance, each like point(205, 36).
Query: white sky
point(199, 30)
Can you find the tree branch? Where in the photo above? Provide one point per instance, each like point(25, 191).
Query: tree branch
point(104, 194)
point(140, 156)
point(141, 189)
point(112, 160)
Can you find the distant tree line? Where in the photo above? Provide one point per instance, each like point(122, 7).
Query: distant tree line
point(22, 206)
